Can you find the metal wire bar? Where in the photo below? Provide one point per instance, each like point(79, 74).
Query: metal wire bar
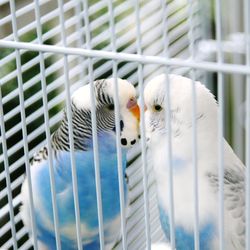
point(9, 244)
point(121, 42)
point(118, 130)
point(23, 11)
point(80, 39)
point(218, 16)
point(57, 100)
point(194, 127)
point(195, 164)
point(46, 18)
point(95, 24)
point(94, 129)
point(73, 20)
point(137, 235)
point(221, 159)
point(47, 128)
point(7, 175)
point(52, 69)
point(24, 129)
point(247, 152)
point(13, 185)
point(70, 129)
point(34, 80)
point(247, 179)
point(5, 209)
point(142, 128)
point(165, 28)
point(31, 136)
point(167, 103)
point(208, 66)
point(27, 103)
point(96, 157)
point(17, 218)
point(146, 26)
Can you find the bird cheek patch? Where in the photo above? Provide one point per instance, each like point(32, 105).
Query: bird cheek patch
point(121, 126)
point(133, 142)
point(124, 141)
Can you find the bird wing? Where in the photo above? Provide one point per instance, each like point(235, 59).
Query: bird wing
point(234, 203)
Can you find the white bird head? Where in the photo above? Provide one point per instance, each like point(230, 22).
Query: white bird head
point(180, 96)
point(104, 91)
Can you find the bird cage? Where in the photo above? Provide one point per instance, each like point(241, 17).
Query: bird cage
point(48, 49)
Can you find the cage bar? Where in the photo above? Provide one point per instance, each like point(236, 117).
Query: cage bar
point(70, 128)
point(48, 135)
point(142, 128)
point(121, 56)
point(168, 126)
point(118, 130)
point(24, 129)
point(94, 129)
point(194, 128)
point(247, 123)
point(7, 176)
point(220, 124)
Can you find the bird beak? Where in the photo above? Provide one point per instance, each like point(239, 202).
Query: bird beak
point(134, 108)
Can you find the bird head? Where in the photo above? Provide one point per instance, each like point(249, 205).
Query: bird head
point(104, 92)
point(181, 108)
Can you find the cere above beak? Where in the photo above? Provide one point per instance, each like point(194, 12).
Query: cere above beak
point(134, 108)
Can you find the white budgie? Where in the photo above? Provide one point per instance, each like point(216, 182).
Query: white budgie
point(207, 150)
point(84, 158)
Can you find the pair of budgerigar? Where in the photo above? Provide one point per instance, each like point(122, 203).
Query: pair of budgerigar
point(182, 167)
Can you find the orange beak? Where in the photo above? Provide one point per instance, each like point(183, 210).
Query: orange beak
point(134, 108)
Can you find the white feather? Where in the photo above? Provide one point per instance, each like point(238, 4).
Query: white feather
point(160, 246)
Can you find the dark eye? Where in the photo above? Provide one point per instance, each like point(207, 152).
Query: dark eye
point(157, 107)
point(111, 107)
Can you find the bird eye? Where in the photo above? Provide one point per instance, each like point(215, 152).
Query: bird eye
point(111, 107)
point(157, 107)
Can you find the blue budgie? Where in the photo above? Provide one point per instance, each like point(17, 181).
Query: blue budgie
point(180, 93)
point(83, 151)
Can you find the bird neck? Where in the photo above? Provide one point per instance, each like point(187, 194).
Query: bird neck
point(81, 127)
point(83, 140)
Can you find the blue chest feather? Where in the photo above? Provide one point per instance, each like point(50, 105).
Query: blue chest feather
point(185, 240)
point(178, 164)
point(86, 187)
